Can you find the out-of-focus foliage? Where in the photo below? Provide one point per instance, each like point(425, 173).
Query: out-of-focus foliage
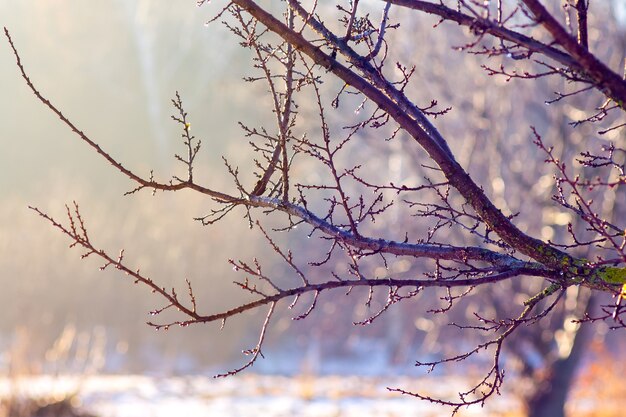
point(600, 388)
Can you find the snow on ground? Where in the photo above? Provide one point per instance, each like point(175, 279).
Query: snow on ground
point(245, 395)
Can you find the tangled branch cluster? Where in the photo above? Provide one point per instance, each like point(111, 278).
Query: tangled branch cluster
point(315, 67)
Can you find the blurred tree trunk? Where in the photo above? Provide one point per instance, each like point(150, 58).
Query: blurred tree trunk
point(553, 382)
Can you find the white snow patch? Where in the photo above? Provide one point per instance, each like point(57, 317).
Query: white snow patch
point(245, 395)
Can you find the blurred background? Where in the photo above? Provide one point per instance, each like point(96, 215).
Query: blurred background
point(113, 67)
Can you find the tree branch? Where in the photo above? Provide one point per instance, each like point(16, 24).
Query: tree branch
point(577, 58)
point(610, 83)
point(482, 25)
point(401, 110)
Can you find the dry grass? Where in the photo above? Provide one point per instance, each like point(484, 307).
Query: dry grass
point(41, 407)
point(69, 351)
